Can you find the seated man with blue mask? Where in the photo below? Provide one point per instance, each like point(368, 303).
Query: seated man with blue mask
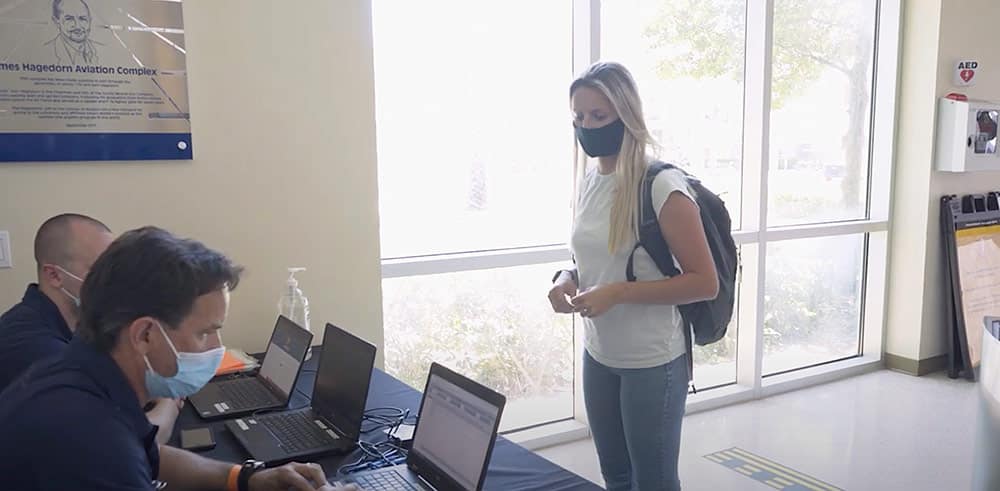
point(151, 310)
point(42, 325)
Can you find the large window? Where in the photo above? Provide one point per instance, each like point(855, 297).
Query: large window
point(783, 107)
point(471, 116)
point(474, 155)
point(812, 301)
point(821, 100)
point(694, 113)
point(494, 325)
point(692, 94)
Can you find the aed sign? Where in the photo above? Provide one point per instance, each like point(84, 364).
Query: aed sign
point(965, 73)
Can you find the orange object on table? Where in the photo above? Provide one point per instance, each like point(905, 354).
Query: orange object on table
point(233, 362)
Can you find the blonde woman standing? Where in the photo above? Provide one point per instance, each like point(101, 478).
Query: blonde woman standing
point(635, 373)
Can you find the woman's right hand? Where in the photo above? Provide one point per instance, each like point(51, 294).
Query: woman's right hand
point(562, 290)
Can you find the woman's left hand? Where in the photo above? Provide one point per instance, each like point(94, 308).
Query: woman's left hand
point(597, 300)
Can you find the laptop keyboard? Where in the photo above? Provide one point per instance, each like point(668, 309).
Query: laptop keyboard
point(379, 481)
point(296, 431)
point(246, 393)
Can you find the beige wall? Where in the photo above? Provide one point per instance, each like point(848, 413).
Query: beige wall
point(284, 172)
point(969, 29)
point(911, 177)
point(936, 35)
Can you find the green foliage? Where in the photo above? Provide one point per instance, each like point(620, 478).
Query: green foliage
point(719, 352)
point(706, 39)
point(495, 337)
point(795, 207)
point(810, 300)
point(698, 38)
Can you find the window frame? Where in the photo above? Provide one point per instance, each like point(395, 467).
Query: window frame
point(755, 234)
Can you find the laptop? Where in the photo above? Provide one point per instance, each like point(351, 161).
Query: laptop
point(452, 442)
point(332, 424)
point(270, 387)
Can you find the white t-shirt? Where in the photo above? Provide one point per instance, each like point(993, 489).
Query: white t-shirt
point(627, 335)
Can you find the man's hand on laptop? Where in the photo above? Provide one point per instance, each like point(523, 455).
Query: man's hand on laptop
point(294, 476)
point(349, 487)
point(339, 486)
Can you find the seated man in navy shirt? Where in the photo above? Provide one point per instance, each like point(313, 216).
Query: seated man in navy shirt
point(151, 309)
point(42, 324)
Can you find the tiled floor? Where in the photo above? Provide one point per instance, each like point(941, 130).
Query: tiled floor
point(880, 431)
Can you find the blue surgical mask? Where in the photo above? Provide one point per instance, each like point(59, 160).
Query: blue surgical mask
point(194, 370)
point(74, 298)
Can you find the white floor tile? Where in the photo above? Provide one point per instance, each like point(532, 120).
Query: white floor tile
point(881, 431)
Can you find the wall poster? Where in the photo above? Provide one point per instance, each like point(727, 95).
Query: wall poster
point(93, 80)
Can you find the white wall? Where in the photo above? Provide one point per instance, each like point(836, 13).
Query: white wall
point(936, 35)
point(911, 177)
point(284, 172)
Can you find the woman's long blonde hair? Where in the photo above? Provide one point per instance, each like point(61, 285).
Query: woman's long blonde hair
point(616, 83)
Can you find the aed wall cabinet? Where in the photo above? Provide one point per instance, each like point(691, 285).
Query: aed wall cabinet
point(967, 136)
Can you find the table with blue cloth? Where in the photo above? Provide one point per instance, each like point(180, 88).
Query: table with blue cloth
point(512, 467)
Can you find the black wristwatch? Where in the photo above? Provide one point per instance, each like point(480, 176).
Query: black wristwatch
point(249, 468)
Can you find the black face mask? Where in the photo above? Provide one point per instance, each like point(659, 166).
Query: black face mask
point(603, 141)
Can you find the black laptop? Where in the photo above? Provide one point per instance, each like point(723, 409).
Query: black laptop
point(333, 422)
point(452, 442)
point(271, 387)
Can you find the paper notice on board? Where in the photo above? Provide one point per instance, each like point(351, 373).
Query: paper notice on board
point(979, 274)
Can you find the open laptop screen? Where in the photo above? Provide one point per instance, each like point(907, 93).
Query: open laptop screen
point(284, 355)
point(455, 431)
point(345, 371)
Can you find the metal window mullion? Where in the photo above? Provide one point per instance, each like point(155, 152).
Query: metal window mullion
point(586, 50)
point(454, 263)
point(885, 74)
point(756, 135)
point(824, 230)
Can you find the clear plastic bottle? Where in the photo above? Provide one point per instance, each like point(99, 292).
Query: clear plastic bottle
point(294, 304)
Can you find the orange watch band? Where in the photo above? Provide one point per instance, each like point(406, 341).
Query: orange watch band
point(232, 482)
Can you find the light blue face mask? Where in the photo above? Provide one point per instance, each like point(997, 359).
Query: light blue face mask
point(194, 370)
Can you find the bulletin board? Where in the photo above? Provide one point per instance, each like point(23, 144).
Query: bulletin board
point(971, 245)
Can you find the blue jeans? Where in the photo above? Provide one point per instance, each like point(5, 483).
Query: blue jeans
point(635, 419)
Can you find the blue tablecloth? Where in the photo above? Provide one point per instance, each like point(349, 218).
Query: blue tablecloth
point(512, 467)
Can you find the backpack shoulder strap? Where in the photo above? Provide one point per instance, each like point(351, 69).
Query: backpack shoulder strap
point(648, 219)
point(646, 210)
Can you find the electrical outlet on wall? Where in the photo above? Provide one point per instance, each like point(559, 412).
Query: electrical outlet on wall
point(5, 259)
